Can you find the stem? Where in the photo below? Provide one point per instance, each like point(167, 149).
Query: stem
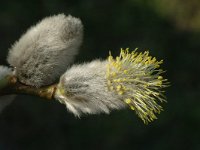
point(10, 85)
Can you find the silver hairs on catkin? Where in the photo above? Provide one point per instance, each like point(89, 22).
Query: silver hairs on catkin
point(7, 99)
point(83, 89)
point(131, 79)
point(44, 52)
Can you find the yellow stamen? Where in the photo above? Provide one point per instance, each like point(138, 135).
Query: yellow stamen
point(136, 77)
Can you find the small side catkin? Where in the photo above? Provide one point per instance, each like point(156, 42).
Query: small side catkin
point(45, 51)
point(7, 99)
point(130, 80)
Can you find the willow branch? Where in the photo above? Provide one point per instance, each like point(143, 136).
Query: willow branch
point(10, 85)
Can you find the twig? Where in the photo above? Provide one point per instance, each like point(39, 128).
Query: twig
point(10, 85)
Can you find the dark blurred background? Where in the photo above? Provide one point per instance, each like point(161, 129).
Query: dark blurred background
point(170, 29)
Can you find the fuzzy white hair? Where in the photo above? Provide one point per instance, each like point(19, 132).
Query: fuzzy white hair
point(44, 52)
point(7, 99)
point(83, 89)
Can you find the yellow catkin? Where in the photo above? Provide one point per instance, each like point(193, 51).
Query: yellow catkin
point(136, 77)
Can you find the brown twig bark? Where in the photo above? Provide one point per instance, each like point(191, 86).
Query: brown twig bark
point(13, 86)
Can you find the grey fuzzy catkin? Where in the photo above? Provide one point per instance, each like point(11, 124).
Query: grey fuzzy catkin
point(7, 99)
point(83, 89)
point(45, 51)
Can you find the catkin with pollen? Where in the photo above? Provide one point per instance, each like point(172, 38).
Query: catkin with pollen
point(44, 52)
point(131, 79)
